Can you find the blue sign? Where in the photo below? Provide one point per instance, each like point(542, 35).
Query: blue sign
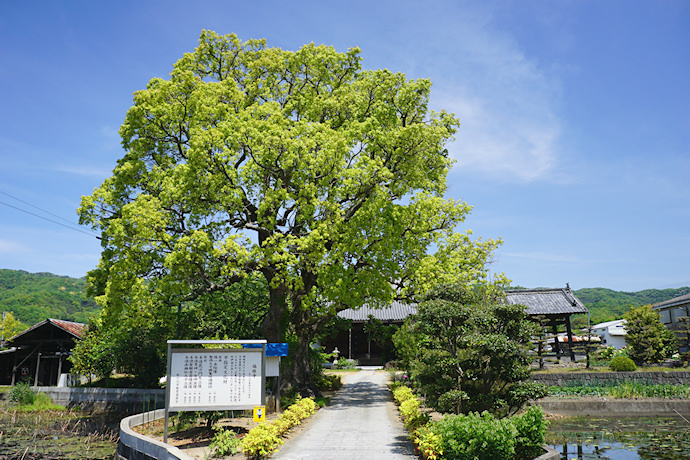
point(272, 349)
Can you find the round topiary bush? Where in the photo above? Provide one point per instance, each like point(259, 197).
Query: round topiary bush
point(622, 364)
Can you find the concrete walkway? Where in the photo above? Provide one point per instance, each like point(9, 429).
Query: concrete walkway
point(360, 423)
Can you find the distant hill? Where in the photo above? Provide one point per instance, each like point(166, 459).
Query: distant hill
point(34, 297)
point(607, 305)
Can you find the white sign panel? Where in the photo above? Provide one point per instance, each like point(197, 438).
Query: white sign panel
point(215, 379)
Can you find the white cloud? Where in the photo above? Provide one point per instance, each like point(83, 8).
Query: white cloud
point(11, 247)
point(86, 171)
point(506, 103)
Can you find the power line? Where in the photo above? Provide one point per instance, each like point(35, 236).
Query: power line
point(45, 218)
point(36, 207)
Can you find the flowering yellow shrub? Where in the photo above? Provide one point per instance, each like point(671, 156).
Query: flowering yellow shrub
point(264, 439)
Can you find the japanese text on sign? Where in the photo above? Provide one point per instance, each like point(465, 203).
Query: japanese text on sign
point(215, 378)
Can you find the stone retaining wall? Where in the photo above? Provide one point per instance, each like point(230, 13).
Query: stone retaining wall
point(128, 400)
point(583, 378)
point(607, 407)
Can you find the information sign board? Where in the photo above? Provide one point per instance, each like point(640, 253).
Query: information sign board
point(215, 379)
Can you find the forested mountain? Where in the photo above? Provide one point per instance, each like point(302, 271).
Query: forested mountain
point(34, 297)
point(607, 305)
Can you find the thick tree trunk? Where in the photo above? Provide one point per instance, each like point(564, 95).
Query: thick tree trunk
point(274, 324)
point(299, 373)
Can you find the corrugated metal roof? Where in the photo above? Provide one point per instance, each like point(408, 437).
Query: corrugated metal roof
point(397, 311)
point(672, 302)
point(546, 301)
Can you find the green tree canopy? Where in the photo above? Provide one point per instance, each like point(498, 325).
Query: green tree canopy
point(472, 352)
point(325, 178)
point(647, 340)
point(10, 326)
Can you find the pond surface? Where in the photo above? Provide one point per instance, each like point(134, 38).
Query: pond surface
point(57, 435)
point(646, 438)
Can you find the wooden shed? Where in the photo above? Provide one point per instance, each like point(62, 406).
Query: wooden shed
point(356, 343)
point(39, 354)
point(555, 306)
point(552, 307)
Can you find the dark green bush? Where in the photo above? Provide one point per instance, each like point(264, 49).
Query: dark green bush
point(531, 429)
point(476, 437)
point(22, 394)
point(622, 364)
point(484, 437)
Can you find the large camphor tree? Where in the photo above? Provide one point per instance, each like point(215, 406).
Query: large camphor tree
point(325, 178)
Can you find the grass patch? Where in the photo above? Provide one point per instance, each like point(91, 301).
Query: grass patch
point(113, 381)
point(605, 368)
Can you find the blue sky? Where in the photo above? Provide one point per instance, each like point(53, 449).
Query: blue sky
point(574, 146)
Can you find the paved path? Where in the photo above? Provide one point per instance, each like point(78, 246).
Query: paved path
point(360, 423)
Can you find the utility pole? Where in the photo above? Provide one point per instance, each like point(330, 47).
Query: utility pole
point(2, 332)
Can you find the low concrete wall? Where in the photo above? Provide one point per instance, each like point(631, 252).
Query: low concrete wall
point(607, 407)
point(549, 454)
point(128, 400)
point(136, 446)
point(583, 378)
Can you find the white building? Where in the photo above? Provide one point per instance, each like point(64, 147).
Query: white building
point(612, 333)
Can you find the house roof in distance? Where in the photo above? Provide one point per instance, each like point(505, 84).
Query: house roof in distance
point(397, 311)
point(537, 301)
point(607, 324)
point(547, 301)
point(681, 300)
point(75, 329)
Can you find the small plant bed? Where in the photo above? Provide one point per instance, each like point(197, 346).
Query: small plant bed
point(190, 432)
point(214, 435)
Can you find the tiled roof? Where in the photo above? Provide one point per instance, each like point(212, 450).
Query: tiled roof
point(537, 301)
point(76, 329)
point(672, 302)
point(397, 311)
point(546, 301)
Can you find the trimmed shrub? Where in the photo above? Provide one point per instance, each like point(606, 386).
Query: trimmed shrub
point(622, 364)
point(476, 437)
point(402, 394)
point(428, 443)
point(263, 440)
point(483, 437)
point(412, 418)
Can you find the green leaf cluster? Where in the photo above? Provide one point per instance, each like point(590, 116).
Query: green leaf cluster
point(9, 326)
point(325, 178)
point(472, 350)
point(477, 436)
point(622, 364)
point(647, 339)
